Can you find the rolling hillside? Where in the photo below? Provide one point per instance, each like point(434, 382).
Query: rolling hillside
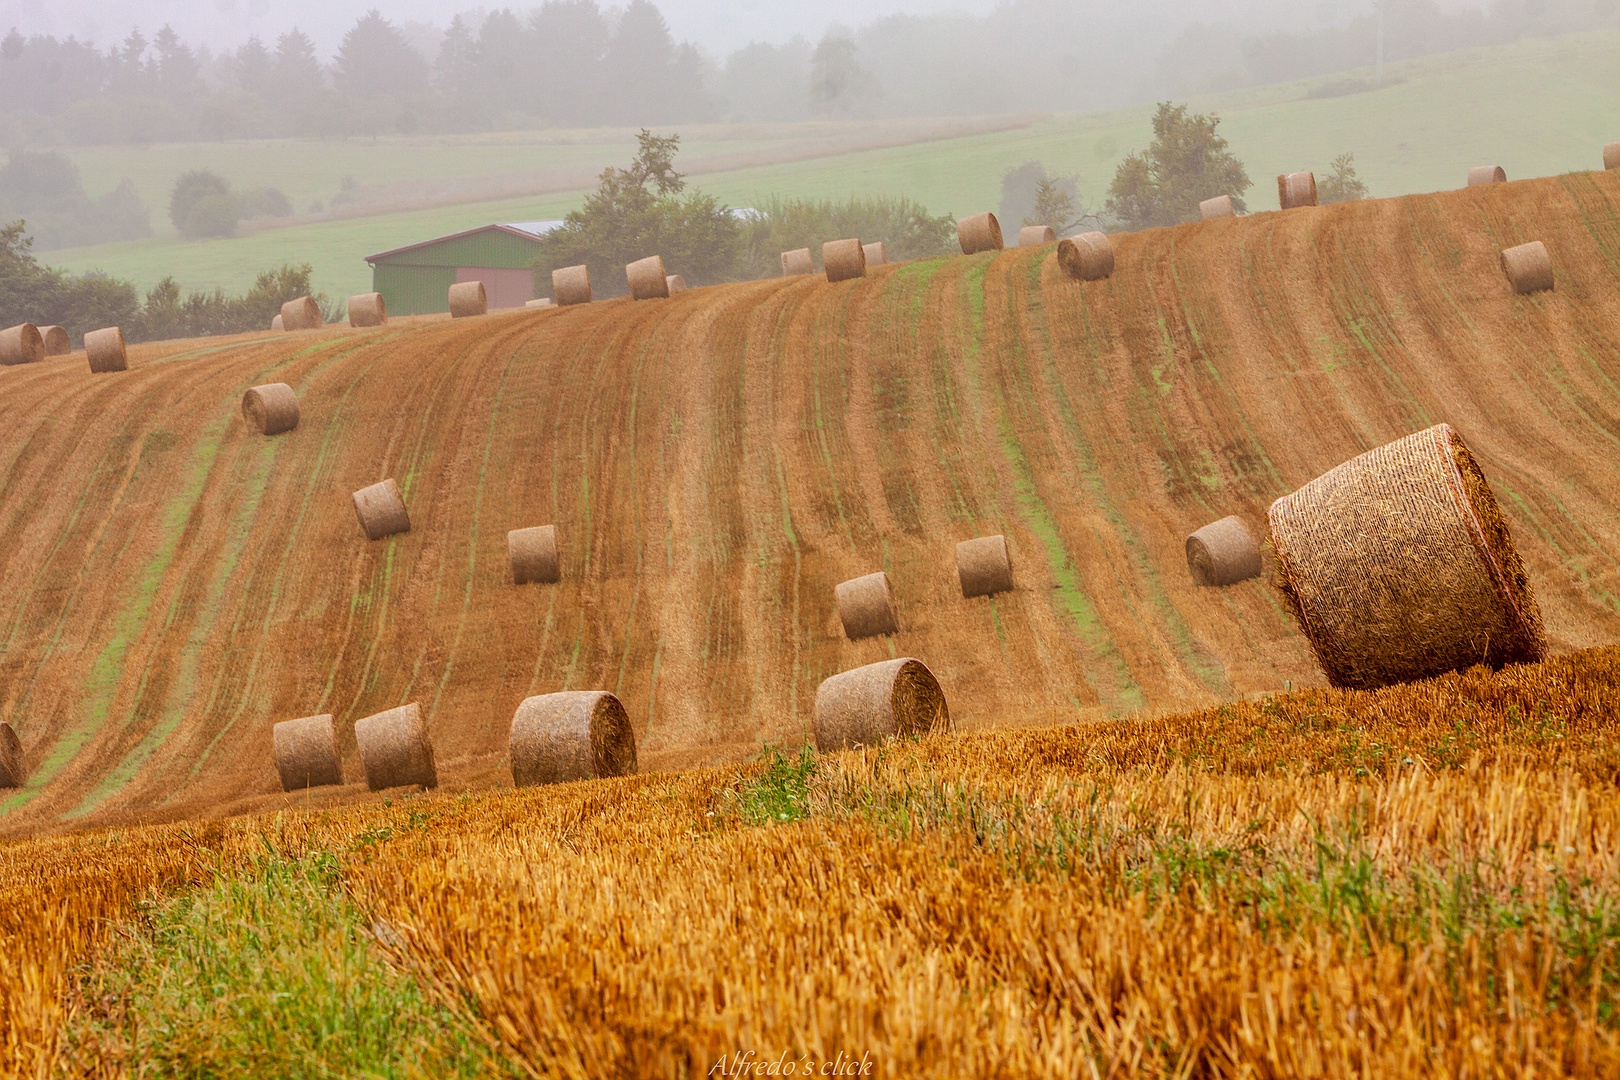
point(171, 586)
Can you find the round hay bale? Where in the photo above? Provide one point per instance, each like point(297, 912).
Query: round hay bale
point(675, 283)
point(981, 232)
point(575, 735)
point(381, 510)
point(863, 707)
point(571, 285)
point(12, 772)
point(1036, 235)
point(983, 566)
point(544, 301)
point(1611, 156)
point(1486, 174)
point(844, 259)
point(534, 557)
point(395, 749)
point(1296, 189)
point(877, 253)
point(1087, 257)
point(795, 263)
point(307, 753)
point(57, 342)
point(367, 309)
point(647, 278)
point(1223, 553)
point(105, 350)
point(1528, 267)
point(278, 324)
point(270, 409)
point(1218, 207)
point(1399, 566)
point(864, 606)
point(302, 314)
point(22, 344)
point(467, 299)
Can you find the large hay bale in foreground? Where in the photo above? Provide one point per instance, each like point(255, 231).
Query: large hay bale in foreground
point(575, 735)
point(981, 232)
point(797, 263)
point(1036, 235)
point(877, 253)
point(21, 344)
point(892, 699)
point(1223, 553)
point(278, 324)
point(367, 309)
point(865, 606)
point(57, 342)
point(1399, 566)
point(1296, 189)
point(533, 554)
point(302, 314)
point(395, 749)
point(571, 285)
point(307, 753)
point(1087, 257)
point(983, 566)
point(1218, 207)
point(675, 283)
point(1528, 267)
point(12, 772)
point(1611, 156)
point(468, 300)
point(270, 409)
point(381, 510)
point(844, 259)
point(647, 278)
point(1481, 175)
point(105, 350)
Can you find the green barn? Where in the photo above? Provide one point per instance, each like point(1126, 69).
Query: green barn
point(416, 280)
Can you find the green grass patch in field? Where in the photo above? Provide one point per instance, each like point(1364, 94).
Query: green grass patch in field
point(781, 792)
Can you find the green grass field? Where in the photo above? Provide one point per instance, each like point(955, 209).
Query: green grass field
point(1536, 108)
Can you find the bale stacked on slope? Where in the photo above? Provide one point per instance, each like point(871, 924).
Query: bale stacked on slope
point(301, 314)
point(1223, 553)
point(1087, 257)
point(468, 300)
point(1399, 566)
point(983, 566)
point(1296, 189)
point(1611, 156)
point(1480, 175)
point(21, 344)
point(533, 555)
point(395, 749)
point(1218, 207)
point(576, 735)
point(797, 263)
point(844, 259)
point(675, 283)
point(877, 253)
point(381, 510)
point(57, 342)
point(892, 699)
point(1036, 235)
point(647, 278)
point(571, 285)
point(367, 309)
point(1528, 267)
point(865, 606)
point(105, 350)
point(270, 409)
point(307, 753)
point(12, 772)
point(981, 232)
point(544, 301)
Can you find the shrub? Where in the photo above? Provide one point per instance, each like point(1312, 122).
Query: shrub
point(263, 202)
point(201, 205)
point(904, 225)
point(1341, 184)
point(39, 294)
point(1186, 163)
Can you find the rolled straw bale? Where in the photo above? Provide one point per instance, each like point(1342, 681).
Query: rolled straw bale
point(571, 285)
point(467, 299)
point(1218, 207)
point(892, 699)
point(1611, 156)
point(797, 262)
point(981, 232)
point(1223, 553)
point(270, 409)
point(864, 606)
point(1399, 566)
point(12, 773)
point(278, 323)
point(307, 753)
point(1087, 257)
point(844, 259)
point(575, 735)
point(395, 749)
point(381, 510)
point(544, 301)
point(1486, 174)
point(675, 283)
point(1296, 189)
point(368, 309)
point(983, 566)
point(877, 253)
point(22, 344)
point(1528, 267)
point(647, 278)
point(105, 350)
point(534, 557)
point(1036, 235)
point(57, 342)
point(301, 314)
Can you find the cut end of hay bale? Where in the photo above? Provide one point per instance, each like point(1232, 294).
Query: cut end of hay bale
point(571, 285)
point(395, 750)
point(647, 278)
point(57, 342)
point(981, 232)
point(983, 566)
point(367, 309)
point(877, 253)
point(1087, 257)
point(675, 283)
point(1296, 189)
point(1528, 267)
point(21, 344)
point(105, 350)
point(533, 554)
point(1036, 236)
point(278, 324)
point(12, 773)
point(544, 301)
point(270, 409)
point(575, 735)
point(307, 753)
point(844, 259)
point(893, 699)
point(1218, 207)
point(1223, 552)
point(1399, 566)
point(1481, 175)
point(468, 300)
point(1611, 156)
point(797, 263)
point(381, 510)
point(302, 314)
point(865, 606)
